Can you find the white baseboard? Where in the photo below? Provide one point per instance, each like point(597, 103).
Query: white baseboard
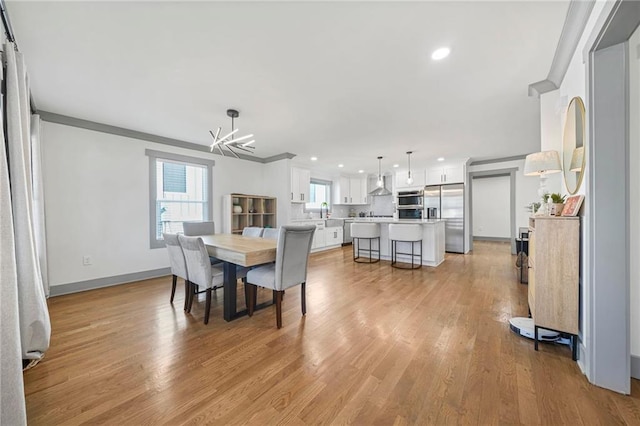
point(59, 290)
point(635, 367)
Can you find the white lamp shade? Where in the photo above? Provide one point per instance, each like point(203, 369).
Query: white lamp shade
point(541, 163)
point(577, 159)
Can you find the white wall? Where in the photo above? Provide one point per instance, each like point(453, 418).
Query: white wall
point(526, 188)
point(634, 190)
point(277, 181)
point(97, 201)
point(491, 198)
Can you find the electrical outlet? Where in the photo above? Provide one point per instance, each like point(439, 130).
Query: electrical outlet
point(87, 260)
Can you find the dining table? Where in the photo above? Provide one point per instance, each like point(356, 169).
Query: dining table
point(237, 250)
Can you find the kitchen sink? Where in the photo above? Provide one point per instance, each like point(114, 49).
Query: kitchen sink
point(334, 222)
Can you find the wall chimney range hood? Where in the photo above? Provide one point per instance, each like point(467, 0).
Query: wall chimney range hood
point(382, 190)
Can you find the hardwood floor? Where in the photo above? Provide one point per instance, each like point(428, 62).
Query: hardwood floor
point(378, 346)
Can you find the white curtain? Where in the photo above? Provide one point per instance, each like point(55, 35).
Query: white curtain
point(38, 203)
point(23, 295)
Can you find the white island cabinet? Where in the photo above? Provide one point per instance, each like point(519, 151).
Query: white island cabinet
point(432, 240)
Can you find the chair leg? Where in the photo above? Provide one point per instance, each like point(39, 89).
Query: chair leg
point(279, 309)
point(187, 289)
point(192, 290)
point(173, 288)
point(303, 297)
point(207, 307)
point(251, 300)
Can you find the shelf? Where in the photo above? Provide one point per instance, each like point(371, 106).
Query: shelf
point(263, 216)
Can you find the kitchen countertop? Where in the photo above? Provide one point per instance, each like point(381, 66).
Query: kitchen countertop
point(392, 220)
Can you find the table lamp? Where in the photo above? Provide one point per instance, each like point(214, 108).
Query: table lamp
point(541, 164)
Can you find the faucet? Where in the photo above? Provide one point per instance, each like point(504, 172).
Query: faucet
point(326, 208)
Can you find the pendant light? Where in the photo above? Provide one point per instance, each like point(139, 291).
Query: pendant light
point(380, 182)
point(229, 141)
point(409, 178)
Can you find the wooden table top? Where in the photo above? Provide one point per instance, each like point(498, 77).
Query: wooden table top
point(241, 250)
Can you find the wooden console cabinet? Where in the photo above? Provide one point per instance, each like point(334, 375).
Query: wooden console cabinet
point(554, 273)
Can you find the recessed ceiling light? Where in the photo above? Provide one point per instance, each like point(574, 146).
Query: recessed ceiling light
point(340, 165)
point(396, 165)
point(441, 53)
point(314, 158)
point(360, 171)
point(441, 159)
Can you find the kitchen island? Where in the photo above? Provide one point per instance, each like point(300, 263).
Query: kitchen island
point(432, 239)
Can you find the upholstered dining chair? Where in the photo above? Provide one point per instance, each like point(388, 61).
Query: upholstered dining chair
point(271, 233)
point(193, 229)
point(200, 271)
point(178, 265)
point(252, 231)
point(289, 269)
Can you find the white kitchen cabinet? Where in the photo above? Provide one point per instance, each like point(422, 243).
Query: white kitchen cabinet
point(350, 190)
point(453, 173)
point(319, 238)
point(300, 185)
point(418, 176)
point(333, 236)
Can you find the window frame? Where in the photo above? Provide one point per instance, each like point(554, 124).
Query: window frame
point(154, 156)
point(319, 182)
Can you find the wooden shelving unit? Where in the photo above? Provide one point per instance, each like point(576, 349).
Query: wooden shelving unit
point(256, 210)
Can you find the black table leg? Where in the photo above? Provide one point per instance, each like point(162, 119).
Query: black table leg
point(230, 290)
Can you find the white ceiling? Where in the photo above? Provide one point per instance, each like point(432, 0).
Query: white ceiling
point(344, 81)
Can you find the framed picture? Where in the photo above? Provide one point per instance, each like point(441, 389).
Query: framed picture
point(572, 205)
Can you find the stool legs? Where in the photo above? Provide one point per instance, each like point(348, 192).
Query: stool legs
point(370, 250)
point(395, 252)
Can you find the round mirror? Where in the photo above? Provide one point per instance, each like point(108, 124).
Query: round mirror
point(573, 149)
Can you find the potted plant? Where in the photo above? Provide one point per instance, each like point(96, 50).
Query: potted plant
point(555, 202)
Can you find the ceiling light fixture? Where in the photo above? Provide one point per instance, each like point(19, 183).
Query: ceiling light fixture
point(440, 158)
point(314, 158)
point(396, 165)
point(360, 171)
point(409, 178)
point(441, 53)
point(228, 141)
point(340, 165)
point(380, 182)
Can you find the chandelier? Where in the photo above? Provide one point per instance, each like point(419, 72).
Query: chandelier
point(230, 142)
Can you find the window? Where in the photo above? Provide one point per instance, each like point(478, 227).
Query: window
point(179, 191)
point(319, 192)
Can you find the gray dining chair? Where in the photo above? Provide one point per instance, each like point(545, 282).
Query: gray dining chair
point(178, 265)
point(289, 269)
point(252, 231)
point(271, 233)
point(201, 274)
point(193, 229)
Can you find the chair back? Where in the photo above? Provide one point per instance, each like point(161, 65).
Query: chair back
point(192, 229)
point(252, 231)
point(271, 233)
point(176, 256)
point(197, 260)
point(292, 255)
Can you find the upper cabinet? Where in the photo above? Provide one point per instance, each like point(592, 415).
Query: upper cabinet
point(418, 176)
point(300, 184)
point(350, 190)
point(453, 173)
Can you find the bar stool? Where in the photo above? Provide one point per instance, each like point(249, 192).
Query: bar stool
point(365, 231)
point(405, 233)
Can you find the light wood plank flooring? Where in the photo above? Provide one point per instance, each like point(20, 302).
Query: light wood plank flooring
point(377, 346)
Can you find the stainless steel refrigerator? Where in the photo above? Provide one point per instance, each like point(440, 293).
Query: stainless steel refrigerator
point(447, 202)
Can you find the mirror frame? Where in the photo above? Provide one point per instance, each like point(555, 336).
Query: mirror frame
point(569, 144)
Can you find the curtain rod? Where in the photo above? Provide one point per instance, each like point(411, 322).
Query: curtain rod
point(5, 22)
